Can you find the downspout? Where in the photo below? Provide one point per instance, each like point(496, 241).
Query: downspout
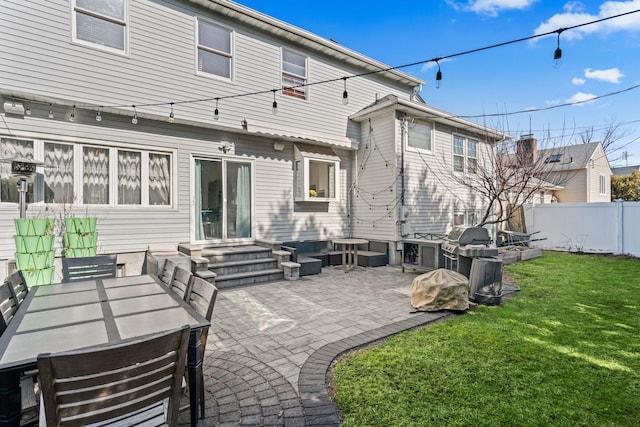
point(402, 216)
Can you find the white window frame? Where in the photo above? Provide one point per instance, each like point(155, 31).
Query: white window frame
point(303, 156)
point(603, 184)
point(465, 155)
point(230, 55)
point(469, 217)
point(78, 172)
point(304, 90)
point(431, 132)
point(75, 10)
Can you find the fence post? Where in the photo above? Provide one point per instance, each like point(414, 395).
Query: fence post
point(620, 227)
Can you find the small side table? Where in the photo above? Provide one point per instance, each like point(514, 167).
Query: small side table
point(350, 252)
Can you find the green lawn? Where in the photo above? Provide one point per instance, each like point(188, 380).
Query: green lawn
point(564, 352)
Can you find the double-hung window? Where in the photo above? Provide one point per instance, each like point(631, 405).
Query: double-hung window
point(419, 137)
point(89, 174)
point(294, 74)
point(215, 54)
point(101, 23)
point(465, 154)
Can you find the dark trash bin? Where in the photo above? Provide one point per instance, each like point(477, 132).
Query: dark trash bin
point(485, 281)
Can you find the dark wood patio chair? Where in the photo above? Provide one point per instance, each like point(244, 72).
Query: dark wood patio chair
point(85, 268)
point(18, 285)
point(134, 382)
point(165, 274)
point(203, 298)
point(12, 292)
point(181, 282)
point(8, 305)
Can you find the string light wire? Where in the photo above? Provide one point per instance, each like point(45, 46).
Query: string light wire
point(368, 73)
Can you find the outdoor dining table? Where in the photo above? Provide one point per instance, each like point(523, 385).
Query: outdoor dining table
point(70, 316)
point(350, 251)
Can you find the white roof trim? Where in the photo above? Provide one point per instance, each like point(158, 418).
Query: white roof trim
point(429, 113)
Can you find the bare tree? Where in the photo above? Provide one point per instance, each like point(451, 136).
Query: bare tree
point(607, 136)
point(514, 172)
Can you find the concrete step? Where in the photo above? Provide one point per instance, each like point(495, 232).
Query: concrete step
point(236, 253)
point(231, 267)
point(248, 278)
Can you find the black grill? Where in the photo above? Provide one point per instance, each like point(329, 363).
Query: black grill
point(462, 244)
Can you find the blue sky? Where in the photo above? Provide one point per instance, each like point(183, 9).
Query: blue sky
point(597, 59)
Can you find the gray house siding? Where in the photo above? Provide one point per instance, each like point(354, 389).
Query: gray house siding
point(160, 68)
point(434, 195)
point(377, 198)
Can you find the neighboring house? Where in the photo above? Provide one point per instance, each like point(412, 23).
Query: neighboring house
point(583, 170)
point(572, 173)
point(625, 170)
point(157, 117)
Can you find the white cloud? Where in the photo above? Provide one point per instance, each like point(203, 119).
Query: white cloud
point(574, 15)
point(580, 98)
point(553, 102)
point(612, 75)
point(578, 81)
point(490, 7)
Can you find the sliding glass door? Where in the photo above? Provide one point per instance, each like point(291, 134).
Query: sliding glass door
point(223, 199)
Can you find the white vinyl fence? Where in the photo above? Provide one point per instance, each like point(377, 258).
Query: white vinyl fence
point(586, 227)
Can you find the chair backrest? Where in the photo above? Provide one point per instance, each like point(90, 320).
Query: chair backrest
point(203, 296)
point(8, 305)
point(85, 268)
point(19, 286)
point(181, 282)
point(132, 378)
point(166, 272)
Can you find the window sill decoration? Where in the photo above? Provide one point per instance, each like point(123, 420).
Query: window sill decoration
point(34, 249)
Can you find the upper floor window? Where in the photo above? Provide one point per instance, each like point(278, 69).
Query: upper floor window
point(419, 136)
point(294, 74)
point(103, 176)
point(465, 154)
point(101, 22)
point(214, 49)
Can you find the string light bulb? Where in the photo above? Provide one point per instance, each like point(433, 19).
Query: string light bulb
point(171, 115)
point(438, 75)
point(345, 94)
point(51, 111)
point(27, 111)
point(99, 116)
point(274, 106)
point(557, 54)
point(72, 116)
point(134, 119)
point(216, 113)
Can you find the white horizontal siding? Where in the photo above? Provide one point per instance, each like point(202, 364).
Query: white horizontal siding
point(39, 58)
point(133, 229)
point(376, 204)
point(433, 193)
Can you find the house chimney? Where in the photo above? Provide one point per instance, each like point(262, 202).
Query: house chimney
point(527, 150)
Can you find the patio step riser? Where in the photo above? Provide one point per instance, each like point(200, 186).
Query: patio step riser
point(249, 280)
point(221, 271)
point(242, 256)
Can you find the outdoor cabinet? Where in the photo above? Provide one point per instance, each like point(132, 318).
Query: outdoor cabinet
point(422, 255)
